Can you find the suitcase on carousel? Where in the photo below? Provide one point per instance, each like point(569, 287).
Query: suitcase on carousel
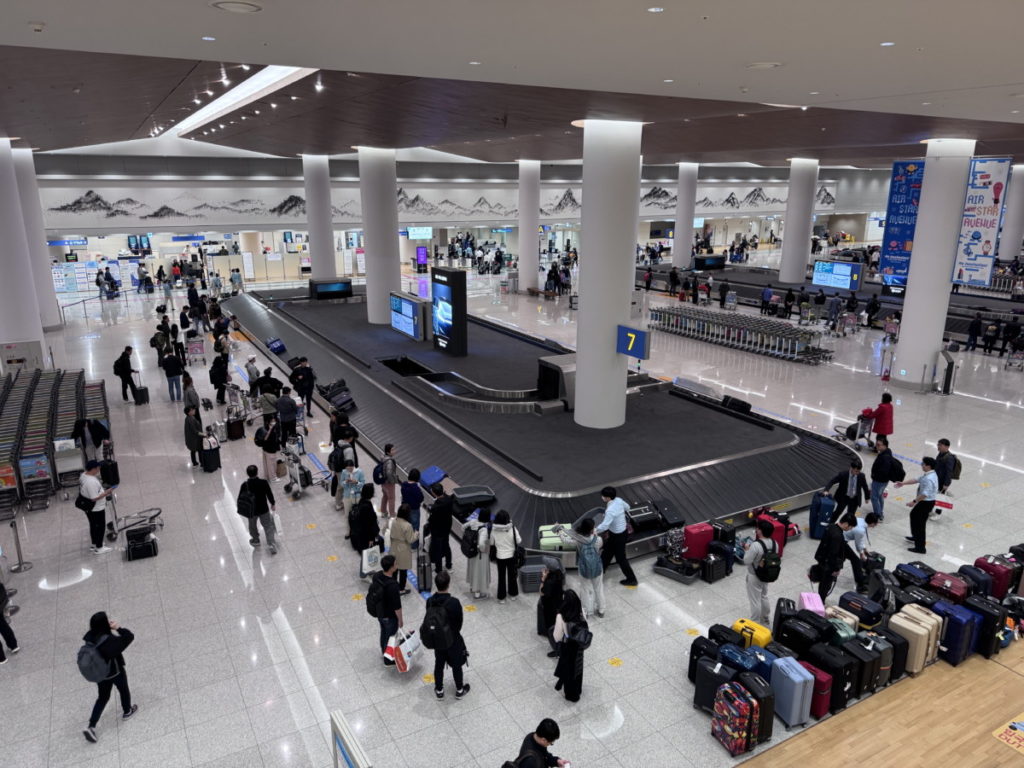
point(758, 687)
point(821, 690)
point(993, 624)
point(843, 669)
point(700, 648)
point(752, 633)
point(794, 690)
point(711, 673)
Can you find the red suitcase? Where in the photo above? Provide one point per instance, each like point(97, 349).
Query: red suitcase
point(951, 587)
point(778, 531)
point(697, 538)
point(822, 691)
point(1001, 574)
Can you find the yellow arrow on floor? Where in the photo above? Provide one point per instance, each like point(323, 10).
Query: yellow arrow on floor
point(332, 558)
point(311, 526)
point(692, 632)
point(358, 597)
point(615, 662)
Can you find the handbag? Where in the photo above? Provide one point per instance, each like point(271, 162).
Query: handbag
point(370, 561)
point(519, 556)
point(407, 650)
point(581, 635)
point(84, 503)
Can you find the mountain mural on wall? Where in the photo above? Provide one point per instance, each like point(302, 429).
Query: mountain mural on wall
point(565, 204)
point(824, 197)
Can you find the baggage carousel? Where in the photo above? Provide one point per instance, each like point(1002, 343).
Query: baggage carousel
point(489, 419)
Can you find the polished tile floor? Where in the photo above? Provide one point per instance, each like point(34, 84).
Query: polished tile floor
point(240, 656)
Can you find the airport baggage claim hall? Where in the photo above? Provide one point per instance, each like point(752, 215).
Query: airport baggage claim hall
point(451, 385)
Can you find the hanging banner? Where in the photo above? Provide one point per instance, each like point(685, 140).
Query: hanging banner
point(900, 221)
point(247, 271)
point(979, 226)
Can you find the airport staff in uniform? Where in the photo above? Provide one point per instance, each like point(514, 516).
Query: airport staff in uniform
point(923, 503)
point(615, 524)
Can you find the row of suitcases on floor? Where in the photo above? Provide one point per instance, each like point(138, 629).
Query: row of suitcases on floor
point(991, 575)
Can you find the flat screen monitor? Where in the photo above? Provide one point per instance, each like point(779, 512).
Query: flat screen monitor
point(133, 242)
point(708, 262)
point(448, 310)
point(406, 317)
point(421, 233)
point(144, 243)
point(287, 237)
point(842, 275)
point(330, 289)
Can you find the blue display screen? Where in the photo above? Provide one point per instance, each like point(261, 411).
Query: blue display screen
point(837, 274)
point(405, 317)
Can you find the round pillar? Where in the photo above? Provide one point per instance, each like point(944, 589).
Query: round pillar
point(686, 202)
point(611, 188)
point(19, 308)
point(529, 221)
point(316, 172)
point(1013, 218)
point(378, 192)
point(35, 233)
point(939, 212)
point(796, 245)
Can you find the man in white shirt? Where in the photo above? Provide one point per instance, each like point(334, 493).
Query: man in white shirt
point(615, 524)
point(921, 506)
point(90, 486)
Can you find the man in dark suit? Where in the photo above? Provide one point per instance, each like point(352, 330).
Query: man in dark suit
point(831, 553)
point(851, 490)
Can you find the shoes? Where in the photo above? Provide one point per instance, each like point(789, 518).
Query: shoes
point(15, 649)
point(628, 582)
point(600, 614)
point(476, 595)
point(273, 549)
point(130, 712)
point(90, 735)
point(553, 654)
point(4, 661)
point(917, 550)
point(254, 542)
point(501, 602)
point(102, 550)
point(462, 691)
point(909, 538)
point(439, 694)
point(514, 597)
point(938, 511)
point(403, 592)
point(389, 663)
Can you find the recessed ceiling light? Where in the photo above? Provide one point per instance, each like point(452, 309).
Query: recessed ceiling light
point(668, 80)
point(246, 67)
point(209, 39)
point(474, 63)
point(273, 105)
point(237, 6)
point(295, 98)
point(655, 9)
point(815, 93)
point(764, 65)
point(887, 45)
point(925, 103)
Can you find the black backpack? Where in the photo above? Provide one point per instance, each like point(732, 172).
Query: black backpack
point(897, 473)
point(770, 566)
point(436, 632)
point(246, 504)
point(375, 596)
point(336, 460)
point(470, 542)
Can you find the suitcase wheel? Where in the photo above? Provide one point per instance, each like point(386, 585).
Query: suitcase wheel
point(288, 488)
point(111, 535)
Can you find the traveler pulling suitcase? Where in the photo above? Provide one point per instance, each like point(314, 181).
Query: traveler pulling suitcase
point(821, 690)
point(794, 689)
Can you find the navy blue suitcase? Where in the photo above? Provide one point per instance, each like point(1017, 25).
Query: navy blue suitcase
point(765, 660)
point(982, 581)
point(822, 509)
point(958, 633)
point(738, 658)
point(911, 576)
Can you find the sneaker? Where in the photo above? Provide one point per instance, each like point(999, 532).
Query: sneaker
point(403, 591)
point(273, 549)
point(514, 597)
point(102, 550)
point(553, 654)
point(15, 650)
point(4, 660)
point(462, 692)
point(439, 694)
point(90, 735)
point(628, 582)
point(130, 712)
point(254, 542)
point(501, 602)
point(917, 550)
point(600, 614)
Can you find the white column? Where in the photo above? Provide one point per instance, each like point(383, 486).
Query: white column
point(686, 201)
point(529, 220)
point(378, 192)
point(19, 308)
point(316, 172)
point(1013, 218)
point(939, 211)
point(796, 245)
point(611, 188)
point(35, 234)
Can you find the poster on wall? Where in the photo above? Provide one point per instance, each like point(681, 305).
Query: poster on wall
point(979, 225)
point(247, 270)
point(361, 261)
point(900, 221)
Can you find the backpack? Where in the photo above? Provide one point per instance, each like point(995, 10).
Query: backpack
point(589, 562)
point(375, 595)
point(119, 366)
point(436, 632)
point(897, 473)
point(153, 341)
point(957, 468)
point(260, 436)
point(770, 567)
point(246, 504)
point(470, 542)
point(336, 460)
point(378, 473)
point(91, 664)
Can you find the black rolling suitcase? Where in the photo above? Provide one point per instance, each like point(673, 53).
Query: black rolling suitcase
point(236, 429)
point(713, 568)
point(798, 635)
point(725, 533)
point(424, 574)
point(141, 543)
point(922, 596)
point(779, 650)
point(725, 551)
point(820, 624)
point(702, 647)
point(109, 473)
point(141, 394)
point(722, 635)
point(841, 666)
point(759, 688)
point(784, 608)
point(210, 455)
point(868, 665)
point(711, 673)
point(993, 622)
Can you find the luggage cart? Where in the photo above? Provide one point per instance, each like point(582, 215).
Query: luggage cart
point(857, 434)
point(299, 476)
point(300, 420)
point(151, 516)
point(1014, 360)
point(69, 466)
point(240, 405)
point(195, 350)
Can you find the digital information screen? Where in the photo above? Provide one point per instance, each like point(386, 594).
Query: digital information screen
point(422, 255)
point(448, 310)
point(406, 317)
point(421, 233)
point(837, 274)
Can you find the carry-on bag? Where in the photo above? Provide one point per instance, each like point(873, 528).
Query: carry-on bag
point(949, 587)
point(763, 693)
point(784, 608)
point(701, 647)
point(821, 690)
point(811, 601)
point(1000, 574)
point(958, 632)
point(722, 634)
point(868, 663)
point(734, 715)
point(900, 649)
point(752, 633)
point(713, 568)
point(875, 642)
point(843, 669)
point(724, 532)
point(698, 537)
point(867, 612)
point(993, 623)
point(110, 475)
point(141, 393)
point(798, 635)
point(711, 673)
point(849, 619)
point(982, 581)
point(794, 690)
point(738, 658)
point(918, 637)
point(236, 429)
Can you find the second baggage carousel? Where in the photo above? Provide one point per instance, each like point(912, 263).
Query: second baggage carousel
point(695, 458)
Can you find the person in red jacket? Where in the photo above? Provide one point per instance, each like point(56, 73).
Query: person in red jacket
point(883, 417)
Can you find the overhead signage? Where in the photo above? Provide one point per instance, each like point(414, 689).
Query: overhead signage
point(421, 233)
point(977, 246)
point(900, 221)
point(448, 291)
point(842, 275)
point(187, 238)
point(72, 242)
point(500, 230)
point(227, 236)
point(633, 342)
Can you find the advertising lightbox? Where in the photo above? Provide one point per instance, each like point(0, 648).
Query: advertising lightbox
point(448, 310)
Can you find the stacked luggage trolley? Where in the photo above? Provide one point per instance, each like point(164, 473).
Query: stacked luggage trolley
point(744, 332)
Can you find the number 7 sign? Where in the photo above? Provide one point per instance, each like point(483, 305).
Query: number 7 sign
point(633, 342)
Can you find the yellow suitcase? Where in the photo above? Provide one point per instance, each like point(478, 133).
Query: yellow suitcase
point(752, 633)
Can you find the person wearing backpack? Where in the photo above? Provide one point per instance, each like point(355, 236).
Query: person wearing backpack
point(886, 469)
point(588, 563)
point(534, 751)
point(101, 661)
point(256, 503)
point(384, 603)
point(441, 632)
point(476, 546)
point(385, 474)
point(350, 489)
point(762, 570)
point(124, 371)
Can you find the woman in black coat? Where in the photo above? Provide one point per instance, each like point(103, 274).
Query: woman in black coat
point(552, 593)
point(365, 528)
point(219, 376)
point(569, 669)
point(110, 641)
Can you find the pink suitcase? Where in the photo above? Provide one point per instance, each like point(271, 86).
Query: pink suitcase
point(811, 601)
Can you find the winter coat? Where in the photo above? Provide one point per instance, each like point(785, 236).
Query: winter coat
point(883, 419)
point(402, 538)
point(193, 434)
point(504, 538)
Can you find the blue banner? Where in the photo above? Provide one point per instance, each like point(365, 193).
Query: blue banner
point(72, 242)
point(187, 238)
point(901, 220)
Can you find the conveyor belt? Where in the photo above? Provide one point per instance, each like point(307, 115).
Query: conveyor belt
point(712, 490)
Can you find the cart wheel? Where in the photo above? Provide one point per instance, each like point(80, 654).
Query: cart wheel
point(296, 495)
point(288, 488)
point(66, 495)
point(249, 422)
point(111, 535)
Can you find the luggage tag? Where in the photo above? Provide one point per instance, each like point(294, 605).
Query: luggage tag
point(718, 667)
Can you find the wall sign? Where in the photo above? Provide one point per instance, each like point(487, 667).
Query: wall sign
point(977, 246)
point(633, 342)
point(73, 242)
point(901, 221)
